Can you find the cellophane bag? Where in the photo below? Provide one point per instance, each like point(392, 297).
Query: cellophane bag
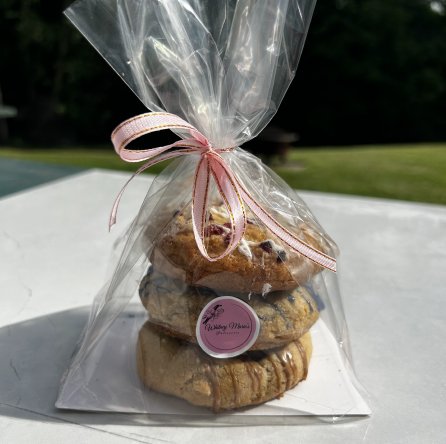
point(201, 318)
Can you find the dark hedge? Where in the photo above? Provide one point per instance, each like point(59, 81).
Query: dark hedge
point(372, 71)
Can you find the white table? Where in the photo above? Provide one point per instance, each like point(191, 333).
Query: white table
point(392, 273)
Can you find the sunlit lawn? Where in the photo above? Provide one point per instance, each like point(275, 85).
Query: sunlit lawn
point(81, 157)
point(407, 172)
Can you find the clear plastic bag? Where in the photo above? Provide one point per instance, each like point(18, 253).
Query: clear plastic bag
point(224, 68)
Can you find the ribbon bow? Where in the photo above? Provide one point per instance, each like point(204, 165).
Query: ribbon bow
point(231, 191)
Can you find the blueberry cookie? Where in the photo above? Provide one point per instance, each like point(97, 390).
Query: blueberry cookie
point(174, 308)
point(179, 368)
point(260, 264)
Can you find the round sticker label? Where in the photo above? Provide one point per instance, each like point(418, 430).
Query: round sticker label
point(227, 327)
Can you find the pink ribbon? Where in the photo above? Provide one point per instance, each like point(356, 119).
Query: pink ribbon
point(231, 191)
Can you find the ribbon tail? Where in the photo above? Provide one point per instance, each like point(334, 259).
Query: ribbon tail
point(114, 211)
point(288, 238)
point(281, 232)
point(161, 158)
point(210, 165)
point(231, 196)
point(199, 201)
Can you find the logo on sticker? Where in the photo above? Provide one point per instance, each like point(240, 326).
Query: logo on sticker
point(212, 314)
point(227, 327)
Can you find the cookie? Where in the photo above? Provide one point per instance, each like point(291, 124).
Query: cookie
point(260, 264)
point(174, 308)
point(179, 368)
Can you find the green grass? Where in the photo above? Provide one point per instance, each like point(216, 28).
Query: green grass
point(81, 157)
point(407, 172)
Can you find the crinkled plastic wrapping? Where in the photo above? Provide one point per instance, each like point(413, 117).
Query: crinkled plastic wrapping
point(224, 67)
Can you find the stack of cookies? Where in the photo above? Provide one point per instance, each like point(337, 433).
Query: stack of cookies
point(180, 283)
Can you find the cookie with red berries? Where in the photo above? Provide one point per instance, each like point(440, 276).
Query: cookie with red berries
point(260, 264)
